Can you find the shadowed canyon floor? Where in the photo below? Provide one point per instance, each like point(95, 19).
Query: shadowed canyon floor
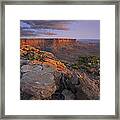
point(59, 70)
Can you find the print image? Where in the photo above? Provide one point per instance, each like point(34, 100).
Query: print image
point(60, 60)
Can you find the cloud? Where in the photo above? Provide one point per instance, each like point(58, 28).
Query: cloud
point(46, 24)
point(24, 25)
point(27, 33)
point(34, 32)
point(49, 33)
point(41, 27)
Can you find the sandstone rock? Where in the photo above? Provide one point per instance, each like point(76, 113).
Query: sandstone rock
point(48, 69)
point(80, 95)
point(58, 96)
point(42, 57)
point(26, 68)
point(38, 91)
point(89, 87)
point(45, 77)
point(37, 85)
point(35, 62)
point(68, 94)
point(38, 81)
point(24, 62)
point(37, 67)
point(74, 79)
point(57, 76)
point(49, 55)
point(35, 76)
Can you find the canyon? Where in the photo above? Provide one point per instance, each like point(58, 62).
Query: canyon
point(65, 49)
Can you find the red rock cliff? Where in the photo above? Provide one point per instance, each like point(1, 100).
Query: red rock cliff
point(42, 43)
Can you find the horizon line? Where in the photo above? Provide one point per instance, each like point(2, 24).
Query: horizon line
point(59, 38)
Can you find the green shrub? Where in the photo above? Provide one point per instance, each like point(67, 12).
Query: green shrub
point(74, 66)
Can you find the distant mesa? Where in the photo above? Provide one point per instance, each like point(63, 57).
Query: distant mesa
point(45, 43)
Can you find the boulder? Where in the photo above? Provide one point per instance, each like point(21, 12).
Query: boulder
point(38, 83)
point(89, 87)
point(39, 86)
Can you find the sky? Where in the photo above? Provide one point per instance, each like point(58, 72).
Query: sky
point(76, 29)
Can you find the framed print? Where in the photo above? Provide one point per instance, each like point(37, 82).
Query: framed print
point(60, 59)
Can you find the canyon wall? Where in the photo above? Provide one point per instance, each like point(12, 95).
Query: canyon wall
point(63, 49)
point(47, 43)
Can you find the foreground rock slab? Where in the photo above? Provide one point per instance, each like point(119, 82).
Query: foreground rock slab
point(38, 83)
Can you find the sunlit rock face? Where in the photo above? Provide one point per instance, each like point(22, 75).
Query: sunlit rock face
point(32, 42)
point(39, 73)
point(63, 48)
point(48, 44)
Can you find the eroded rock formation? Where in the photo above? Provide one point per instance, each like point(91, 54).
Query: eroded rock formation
point(43, 76)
